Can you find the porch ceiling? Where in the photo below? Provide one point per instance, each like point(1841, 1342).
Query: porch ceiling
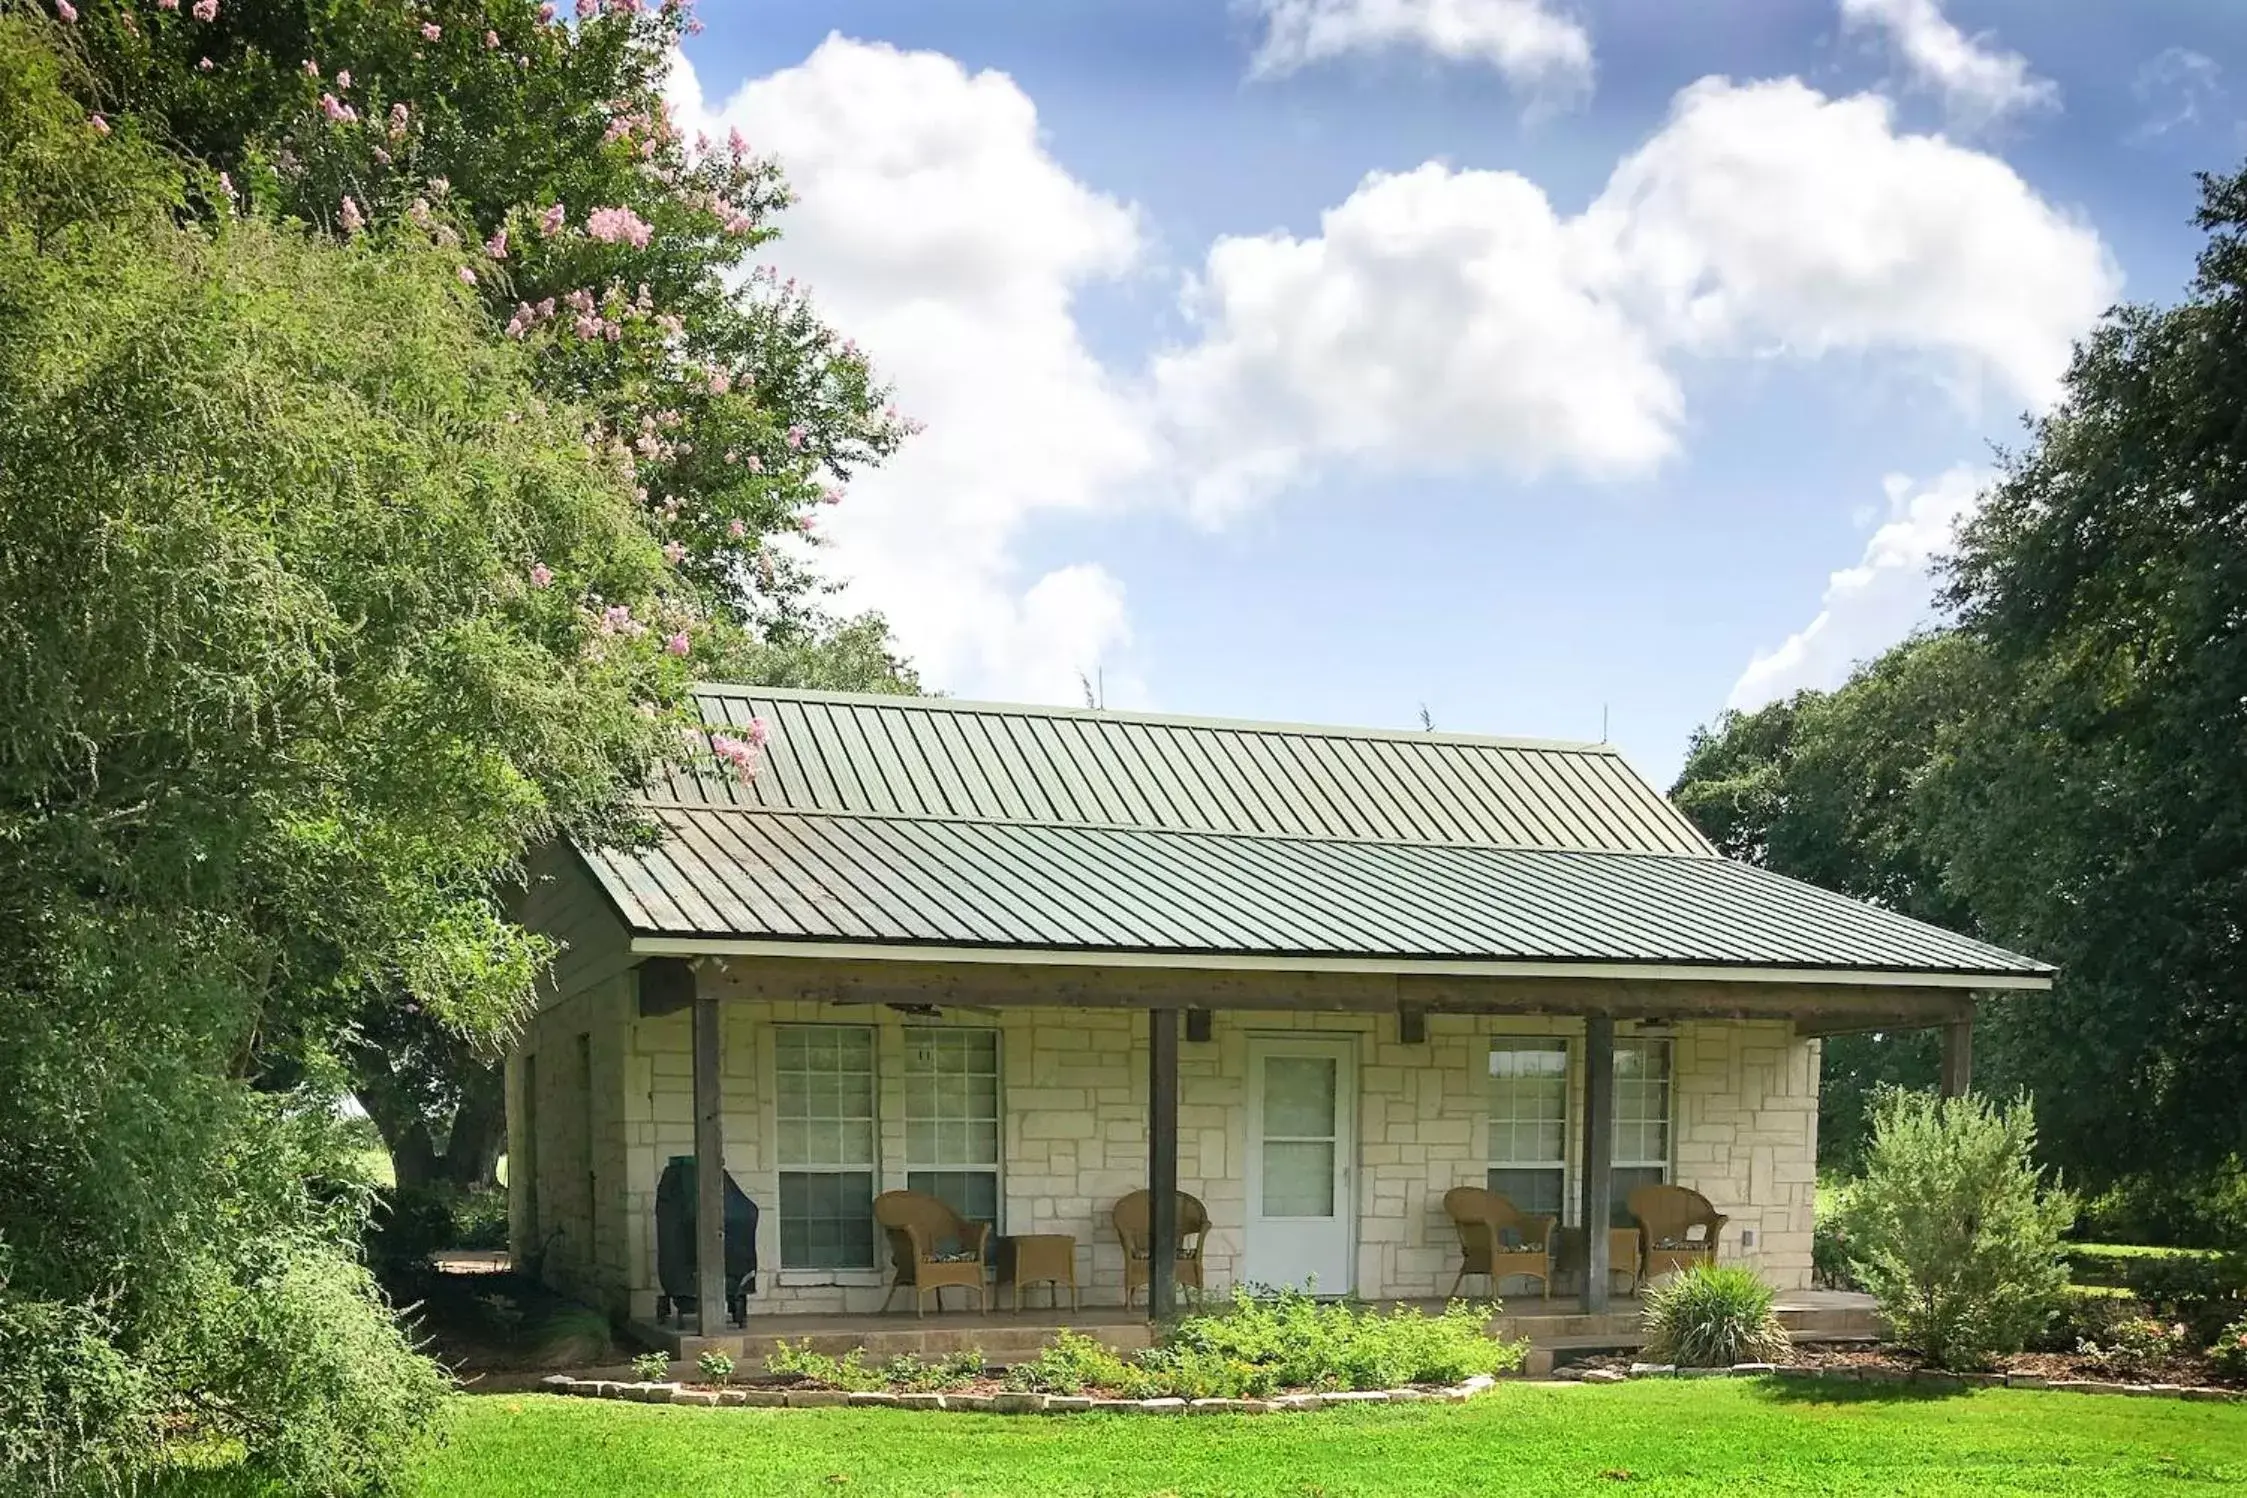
point(735, 879)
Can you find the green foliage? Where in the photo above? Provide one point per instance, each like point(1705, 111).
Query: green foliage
point(1712, 1316)
point(2138, 1345)
point(2227, 1352)
point(846, 1372)
point(1257, 1345)
point(1832, 1254)
point(652, 1367)
point(1955, 1233)
point(715, 1367)
point(74, 1410)
point(2182, 1208)
point(909, 1375)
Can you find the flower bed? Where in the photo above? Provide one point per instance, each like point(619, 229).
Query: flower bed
point(2185, 1378)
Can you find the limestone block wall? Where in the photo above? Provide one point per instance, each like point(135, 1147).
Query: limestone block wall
point(567, 1144)
point(1073, 1082)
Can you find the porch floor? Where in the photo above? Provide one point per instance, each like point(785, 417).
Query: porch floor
point(1553, 1325)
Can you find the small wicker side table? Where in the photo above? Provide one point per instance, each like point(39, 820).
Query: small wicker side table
point(1039, 1259)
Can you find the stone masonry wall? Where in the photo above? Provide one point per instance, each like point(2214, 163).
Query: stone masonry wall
point(1744, 1133)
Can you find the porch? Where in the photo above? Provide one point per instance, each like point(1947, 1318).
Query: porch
point(1551, 1325)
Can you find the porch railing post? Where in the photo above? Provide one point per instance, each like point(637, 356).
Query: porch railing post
point(709, 1171)
point(1162, 1163)
point(1599, 1154)
point(1958, 1056)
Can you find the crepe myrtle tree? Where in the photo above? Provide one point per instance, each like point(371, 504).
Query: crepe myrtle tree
point(530, 148)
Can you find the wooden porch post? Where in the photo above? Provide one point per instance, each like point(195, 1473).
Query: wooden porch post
point(1599, 1154)
point(1162, 1162)
point(709, 1170)
point(1958, 1056)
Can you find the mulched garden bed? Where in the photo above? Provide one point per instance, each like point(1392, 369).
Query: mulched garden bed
point(989, 1396)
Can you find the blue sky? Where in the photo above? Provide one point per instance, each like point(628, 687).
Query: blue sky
point(1526, 359)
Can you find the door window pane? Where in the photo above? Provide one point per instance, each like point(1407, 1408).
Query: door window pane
point(1298, 1178)
point(1299, 1097)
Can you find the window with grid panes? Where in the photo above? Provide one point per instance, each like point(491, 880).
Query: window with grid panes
point(823, 1110)
point(1528, 1152)
point(952, 1119)
point(1642, 1121)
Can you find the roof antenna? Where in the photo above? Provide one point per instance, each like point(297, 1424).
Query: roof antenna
point(1095, 689)
point(1427, 719)
point(1603, 722)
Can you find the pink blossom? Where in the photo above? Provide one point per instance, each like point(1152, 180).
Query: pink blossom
point(831, 495)
point(467, 276)
point(205, 10)
point(381, 155)
point(311, 68)
point(343, 78)
point(67, 11)
point(101, 126)
point(350, 217)
point(542, 575)
point(804, 524)
point(587, 8)
point(226, 185)
point(496, 246)
point(167, 4)
point(418, 211)
point(759, 732)
point(678, 644)
point(796, 436)
point(738, 141)
point(694, 26)
point(491, 40)
point(756, 464)
point(674, 553)
point(203, 64)
point(720, 382)
point(334, 108)
point(732, 456)
point(618, 226)
point(546, 11)
point(614, 332)
point(397, 120)
point(430, 31)
point(737, 528)
point(551, 221)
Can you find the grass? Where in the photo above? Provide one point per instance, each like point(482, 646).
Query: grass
point(1715, 1437)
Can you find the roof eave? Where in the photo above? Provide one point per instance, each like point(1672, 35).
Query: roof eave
point(655, 944)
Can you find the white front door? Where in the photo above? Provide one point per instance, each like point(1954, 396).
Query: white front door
point(1302, 1135)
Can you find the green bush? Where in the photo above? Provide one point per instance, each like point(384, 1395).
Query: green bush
point(2138, 1345)
point(846, 1372)
point(1712, 1316)
point(1952, 1229)
point(652, 1367)
point(75, 1413)
point(2228, 1351)
point(1257, 1345)
point(2192, 1211)
point(1832, 1255)
point(909, 1375)
point(715, 1367)
point(2202, 1288)
point(409, 1223)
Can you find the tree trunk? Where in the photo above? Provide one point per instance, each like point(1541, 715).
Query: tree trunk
point(479, 1131)
point(474, 1136)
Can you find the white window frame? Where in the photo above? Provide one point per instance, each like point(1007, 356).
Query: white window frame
point(1565, 1165)
point(872, 1168)
point(997, 1167)
point(1665, 1165)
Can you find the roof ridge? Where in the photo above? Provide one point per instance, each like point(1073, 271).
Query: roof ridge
point(949, 819)
point(904, 701)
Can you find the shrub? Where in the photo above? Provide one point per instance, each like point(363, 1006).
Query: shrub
point(652, 1367)
point(2138, 1344)
point(714, 1366)
point(2203, 1289)
point(1952, 1229)
point(846, 1372)
point(1832, 1253)
point(2228, 1352)
point(2203, 1211)
point(75, 1413)
point(1712, 1316)
point(909, 1375)
point(1260, 1344)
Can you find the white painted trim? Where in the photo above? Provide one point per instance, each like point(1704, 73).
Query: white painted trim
point(1349, 1220)
point(724, 946)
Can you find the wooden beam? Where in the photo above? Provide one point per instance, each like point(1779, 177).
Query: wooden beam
point(1958, 1057)
point(709, 1168)
point(1162, 1163)
point(1599, 1155)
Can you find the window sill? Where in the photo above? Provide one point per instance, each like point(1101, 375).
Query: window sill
point(850, 1278)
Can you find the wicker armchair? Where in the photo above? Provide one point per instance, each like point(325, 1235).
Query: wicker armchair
point(1676, 1227)
point(1134, 1217)
point(1486, 1220)
point(919, 1225)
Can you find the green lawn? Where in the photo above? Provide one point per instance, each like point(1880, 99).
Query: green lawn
point(1727, 1437)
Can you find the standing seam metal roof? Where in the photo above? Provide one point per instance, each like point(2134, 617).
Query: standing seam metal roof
point(924, 821)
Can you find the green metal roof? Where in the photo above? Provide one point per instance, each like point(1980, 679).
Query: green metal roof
point(918, 822)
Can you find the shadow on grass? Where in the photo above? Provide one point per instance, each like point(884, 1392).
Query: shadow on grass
point(1780, 1390)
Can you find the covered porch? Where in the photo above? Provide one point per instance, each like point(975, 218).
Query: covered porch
point(1125, 1062)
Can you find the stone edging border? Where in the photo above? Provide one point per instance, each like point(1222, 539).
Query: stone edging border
point(1000, 1404)
point(1926, 1378)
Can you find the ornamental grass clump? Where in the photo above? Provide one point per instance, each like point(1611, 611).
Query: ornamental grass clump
point(1956, 1235)
point(1713, 1316)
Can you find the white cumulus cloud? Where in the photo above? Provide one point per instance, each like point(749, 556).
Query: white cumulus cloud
point(1444, 319)
point(1876, 602)
point(934, 227)
point(1979, 83)
point(1534, 45)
